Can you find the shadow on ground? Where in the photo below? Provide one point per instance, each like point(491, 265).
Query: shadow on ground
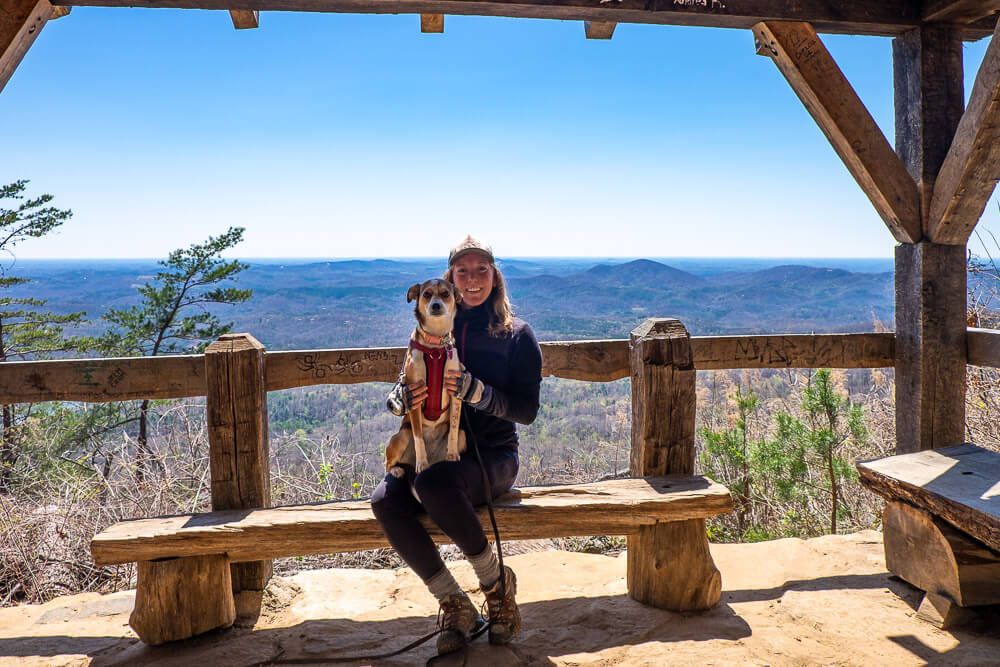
point(588, 624)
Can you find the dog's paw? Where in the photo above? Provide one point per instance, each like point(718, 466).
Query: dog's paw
point(452, 456)
point(423, 465)
point(397, 472)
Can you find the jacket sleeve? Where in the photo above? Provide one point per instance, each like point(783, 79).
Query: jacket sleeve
point(519, 402)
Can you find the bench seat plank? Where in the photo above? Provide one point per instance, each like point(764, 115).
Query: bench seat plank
point(616, 507)
point(961, 485)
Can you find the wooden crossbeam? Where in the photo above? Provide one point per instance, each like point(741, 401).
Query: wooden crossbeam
point(959, 11)
point(862, 17)
point(843, 118)
point(244, 19)
point(20, 23)
point(599, 29)
point(972, 167)
point(432, 23)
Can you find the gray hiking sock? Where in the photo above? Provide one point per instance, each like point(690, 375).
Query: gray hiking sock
point(443, 585)
point(487, 568)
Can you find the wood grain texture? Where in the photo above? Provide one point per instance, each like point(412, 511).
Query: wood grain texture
point(179, 598)
point(245, 19)
point(617, 507)
point(432, 23)
point(20, 23)
point(236, 407)
point(929, 97)
point(960, 485)
point(958, 11)
point(972, 166)
point(984, 347)
point(863, 17)
point(935, 557)
point(599, 29)
point(828, 96)
point(866, 350)
point(102, 380)
point(669, 564)
point(931, 354)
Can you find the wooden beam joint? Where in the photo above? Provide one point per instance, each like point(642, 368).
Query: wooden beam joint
point(245, 19)
point(432, 23)
point(599, 29)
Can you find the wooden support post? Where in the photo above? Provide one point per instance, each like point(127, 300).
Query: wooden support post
point(238, 446)
point(178, 598)
point(599, 29)
point(931, 355)
point(244, 19)
point(929, 90)
point(20, 23)
point(930, 278)
point(433, 23)
point(669, 564)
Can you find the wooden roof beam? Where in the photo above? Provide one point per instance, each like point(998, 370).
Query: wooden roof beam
point(958, 11)
point(972, 167)
point(244, 19)
point(599, 29)
point(828, 96)
point(59, 11)
point(432, 23)
point(20, 23)
point(862, 17)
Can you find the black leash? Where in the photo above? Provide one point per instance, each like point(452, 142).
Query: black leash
point(278, 660)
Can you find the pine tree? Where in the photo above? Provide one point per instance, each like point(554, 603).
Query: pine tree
point(173, 315)
point(28, 330)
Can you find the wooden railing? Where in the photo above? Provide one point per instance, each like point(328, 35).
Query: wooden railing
point(120, 379)
point(236, 373)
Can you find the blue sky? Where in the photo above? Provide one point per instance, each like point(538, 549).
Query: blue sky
point(332, 135)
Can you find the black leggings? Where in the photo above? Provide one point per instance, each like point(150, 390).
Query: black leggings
point(449, 492)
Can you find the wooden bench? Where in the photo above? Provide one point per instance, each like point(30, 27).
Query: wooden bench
point(941, 526)
point(184, 584)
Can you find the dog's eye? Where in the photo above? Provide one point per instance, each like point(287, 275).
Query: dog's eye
point(428, 294)
point(446, 294)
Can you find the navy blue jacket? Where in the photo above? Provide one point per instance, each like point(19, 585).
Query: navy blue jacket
point(511, 367)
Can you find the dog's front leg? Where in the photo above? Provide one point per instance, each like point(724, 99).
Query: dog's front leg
point(419, 446)
point(454, 414)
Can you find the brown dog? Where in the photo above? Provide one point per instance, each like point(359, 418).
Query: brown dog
point(430, 433)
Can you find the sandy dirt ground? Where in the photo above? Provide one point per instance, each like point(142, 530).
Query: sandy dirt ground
point(825, 601)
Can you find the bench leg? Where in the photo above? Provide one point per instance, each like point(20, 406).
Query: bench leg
point(935, 557)
point(670, 567)
point(178, 598)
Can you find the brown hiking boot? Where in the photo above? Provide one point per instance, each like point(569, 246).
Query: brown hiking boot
point(504, 616)
point(458, 618)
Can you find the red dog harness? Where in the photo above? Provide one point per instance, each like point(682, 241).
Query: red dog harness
point(434, 359)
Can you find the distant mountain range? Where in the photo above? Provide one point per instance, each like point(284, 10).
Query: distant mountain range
point(359, 303)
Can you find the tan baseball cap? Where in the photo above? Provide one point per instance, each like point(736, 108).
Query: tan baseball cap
point(468, 245)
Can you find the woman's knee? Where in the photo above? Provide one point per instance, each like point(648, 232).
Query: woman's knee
point(439, 483)
point(388, 500)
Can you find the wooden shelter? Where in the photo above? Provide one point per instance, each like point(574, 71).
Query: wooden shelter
point(930, 191)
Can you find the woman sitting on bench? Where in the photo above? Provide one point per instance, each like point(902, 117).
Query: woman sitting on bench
point(499, 387)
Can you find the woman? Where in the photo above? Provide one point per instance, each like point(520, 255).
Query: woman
point(499, 387)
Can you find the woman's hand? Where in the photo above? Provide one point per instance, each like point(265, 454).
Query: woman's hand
point(462, 385)
point(414, 395)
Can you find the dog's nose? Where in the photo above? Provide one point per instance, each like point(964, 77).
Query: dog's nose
point(436, 307)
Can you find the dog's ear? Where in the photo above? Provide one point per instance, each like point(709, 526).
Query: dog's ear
point(456, 292)
point(413, 293)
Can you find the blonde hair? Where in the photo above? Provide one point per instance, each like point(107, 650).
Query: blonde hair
point(501, 309)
